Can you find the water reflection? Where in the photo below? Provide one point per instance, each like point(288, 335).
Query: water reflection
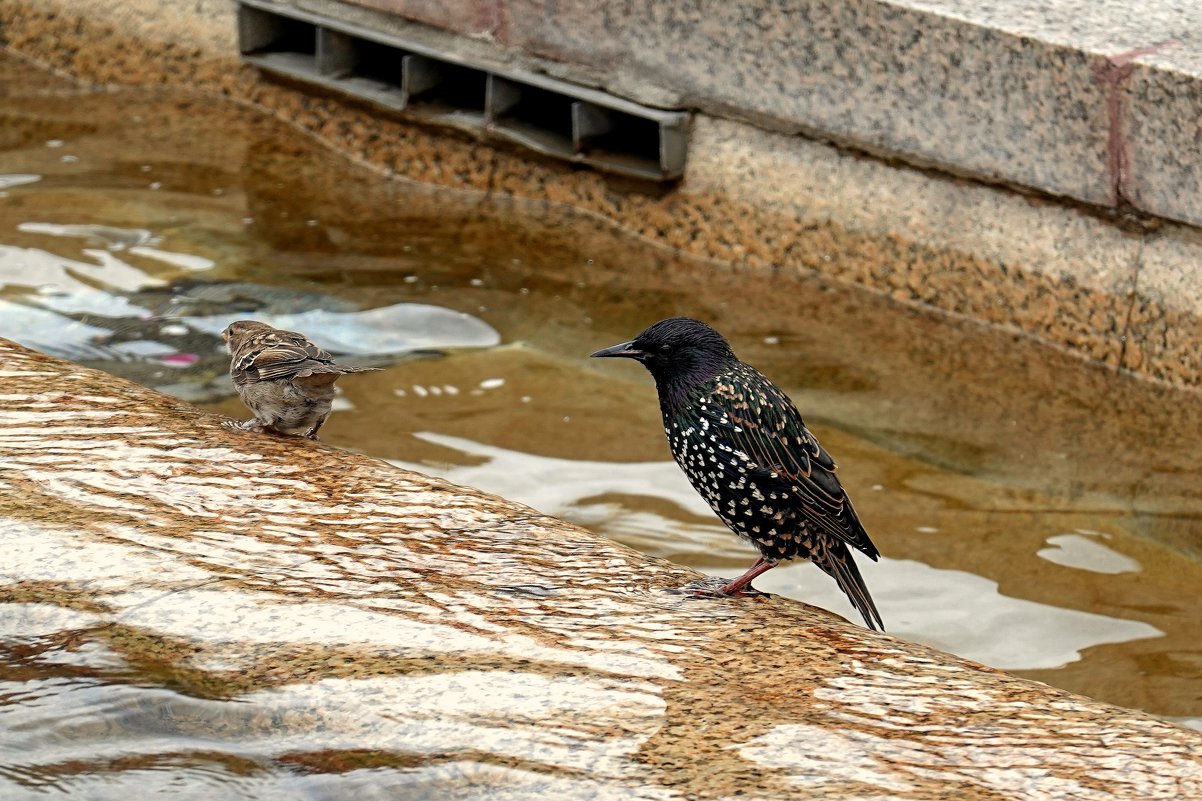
point(384, 331)
point(1082, 551)
point(106, 235)
point(555, 726)
point(17, 179)
point(114, 315)
point(48, 273)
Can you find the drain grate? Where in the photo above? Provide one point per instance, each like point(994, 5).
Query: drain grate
point(545, 114)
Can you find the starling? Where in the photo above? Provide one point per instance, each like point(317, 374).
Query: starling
point(744, 447)
point(286, 380)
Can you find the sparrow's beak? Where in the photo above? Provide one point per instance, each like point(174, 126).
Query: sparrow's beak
point(625, 350)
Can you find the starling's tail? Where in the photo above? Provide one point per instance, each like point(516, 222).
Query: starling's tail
point(836, 561)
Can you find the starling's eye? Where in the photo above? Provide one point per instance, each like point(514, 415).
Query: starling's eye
point(664, 348)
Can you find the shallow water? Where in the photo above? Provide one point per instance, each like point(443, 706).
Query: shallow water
point(1036, 513)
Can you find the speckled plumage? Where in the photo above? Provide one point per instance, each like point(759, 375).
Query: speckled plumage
point(282, 377)
point(745, 448)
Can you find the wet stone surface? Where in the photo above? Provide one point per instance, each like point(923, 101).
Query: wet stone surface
point(186, 607)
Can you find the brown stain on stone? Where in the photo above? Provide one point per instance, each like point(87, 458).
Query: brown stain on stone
point(1111, 73)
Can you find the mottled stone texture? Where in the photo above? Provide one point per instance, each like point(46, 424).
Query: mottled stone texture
point(1075, 98)
point(1162, 119)
point(473, 17)
point(966, 248)
point(1164, 328)
point(883, 77)
point(302, 610)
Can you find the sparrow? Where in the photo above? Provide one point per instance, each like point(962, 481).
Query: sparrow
point(286, 380)
point(745, 449)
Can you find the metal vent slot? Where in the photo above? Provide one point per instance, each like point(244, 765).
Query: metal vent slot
point(545, 114)
point(274, 41)
point(603, 133)
point(436, 89)
point(535, 117)
point(362, 67)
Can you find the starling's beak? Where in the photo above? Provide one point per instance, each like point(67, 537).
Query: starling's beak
point(625, 350)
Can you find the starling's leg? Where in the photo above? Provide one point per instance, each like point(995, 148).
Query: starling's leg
point(736, 587)
point(714, 587)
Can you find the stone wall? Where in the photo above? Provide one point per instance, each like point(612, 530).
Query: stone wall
point(1119, 289)
point(1072, 99)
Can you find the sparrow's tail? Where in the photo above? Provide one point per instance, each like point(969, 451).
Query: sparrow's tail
point(836, 561)
point(346, 368)
point(323, 374)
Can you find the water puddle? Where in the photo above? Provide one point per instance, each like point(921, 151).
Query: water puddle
point(1082, 551)
point(1037, 514)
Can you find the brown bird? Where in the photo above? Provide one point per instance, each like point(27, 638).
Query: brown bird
point(286, 380)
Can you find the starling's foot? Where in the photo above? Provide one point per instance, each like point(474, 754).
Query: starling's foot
point(715, 587)
point(313, 436)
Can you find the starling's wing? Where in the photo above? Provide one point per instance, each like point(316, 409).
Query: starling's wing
point(279, 355)
point(763, 423)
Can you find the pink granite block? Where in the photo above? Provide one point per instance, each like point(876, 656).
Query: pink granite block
point(889, 79)
point(1162, 132)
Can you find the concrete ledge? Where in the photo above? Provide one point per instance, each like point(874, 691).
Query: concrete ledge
point(1094, 101)
point(296, 606)
point(1161, 130)
point(1099, 285)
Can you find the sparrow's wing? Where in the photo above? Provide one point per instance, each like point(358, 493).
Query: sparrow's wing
point(275, 354)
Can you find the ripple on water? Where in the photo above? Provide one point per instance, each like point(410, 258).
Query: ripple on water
point(105, 308)
point(18, 179)
point(399, 328)
point(1083, 551)
point(203, 777)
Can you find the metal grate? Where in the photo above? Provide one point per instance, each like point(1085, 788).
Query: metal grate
point(545, 114)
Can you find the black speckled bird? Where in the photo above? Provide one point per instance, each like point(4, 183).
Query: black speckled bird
point(744, 447)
